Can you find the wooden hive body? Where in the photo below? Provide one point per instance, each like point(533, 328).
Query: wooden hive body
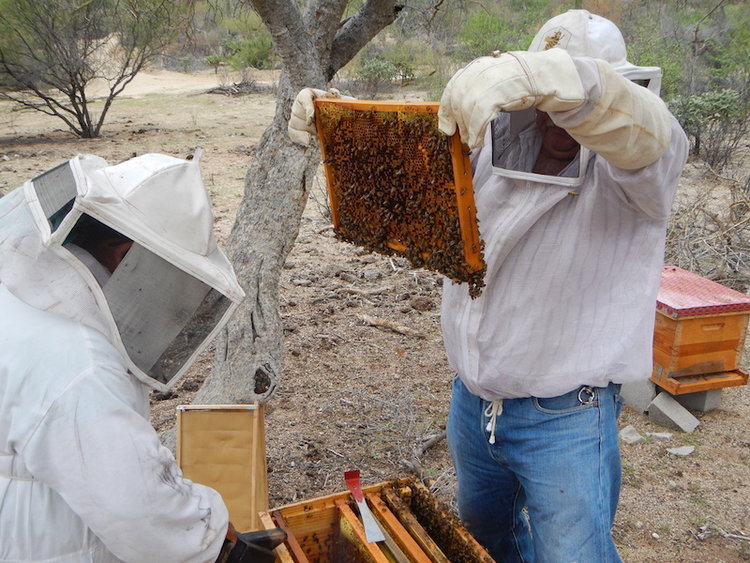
point(397, 185)
point(419, 528)
point(700, 326)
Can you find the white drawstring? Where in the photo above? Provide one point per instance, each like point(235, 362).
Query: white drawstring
point(493, 410)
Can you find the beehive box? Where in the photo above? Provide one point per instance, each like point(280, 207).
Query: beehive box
point(700, 326)
point(223, 447)
point(418, 527)
point(397, 185)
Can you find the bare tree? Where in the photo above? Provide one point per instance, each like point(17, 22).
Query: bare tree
point(313, 43)
point(51, 51)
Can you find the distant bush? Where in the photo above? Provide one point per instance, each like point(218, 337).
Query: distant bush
point(214, 61)
point(256, 51)
point(716, 121)
point(374, 72)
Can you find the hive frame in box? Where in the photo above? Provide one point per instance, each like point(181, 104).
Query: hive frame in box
point(389, 219)
point(408, 513)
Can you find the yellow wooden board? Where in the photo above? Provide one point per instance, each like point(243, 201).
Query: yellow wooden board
point(223, 447)
point(698, 383)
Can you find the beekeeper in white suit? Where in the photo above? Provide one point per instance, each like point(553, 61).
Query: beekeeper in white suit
point(111, 283)
point(576, 163)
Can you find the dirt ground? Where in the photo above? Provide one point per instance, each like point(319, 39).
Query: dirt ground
point(358, 394)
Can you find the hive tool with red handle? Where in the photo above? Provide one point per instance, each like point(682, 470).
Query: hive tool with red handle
point(373, 533)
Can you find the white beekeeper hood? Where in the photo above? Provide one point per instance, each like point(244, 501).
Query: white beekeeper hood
point(581, 34)
point(174, 289)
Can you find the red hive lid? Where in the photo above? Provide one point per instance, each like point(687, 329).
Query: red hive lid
point(685, 294)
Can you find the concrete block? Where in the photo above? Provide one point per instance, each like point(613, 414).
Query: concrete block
point(703, 401)
point(665, 411)
point(638, 394)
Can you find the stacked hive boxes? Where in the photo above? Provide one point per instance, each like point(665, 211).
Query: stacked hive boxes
point(699, 334)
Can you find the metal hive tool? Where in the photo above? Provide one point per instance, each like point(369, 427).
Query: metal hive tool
point(397, 185)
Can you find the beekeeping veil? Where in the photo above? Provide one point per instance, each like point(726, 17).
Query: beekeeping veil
point(581, 34)
point(172, 291)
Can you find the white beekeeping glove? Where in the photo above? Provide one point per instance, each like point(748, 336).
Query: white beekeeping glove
point(302, 121)
point(508, 82)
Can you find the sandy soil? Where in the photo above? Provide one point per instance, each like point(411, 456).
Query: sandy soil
point(361, 396)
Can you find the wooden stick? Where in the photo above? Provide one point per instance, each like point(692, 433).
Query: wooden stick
point(291, 542)
point(281, 551)
point(365, 292)
point(380, 323)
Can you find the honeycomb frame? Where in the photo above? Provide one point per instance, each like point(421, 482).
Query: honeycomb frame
point(398, 186)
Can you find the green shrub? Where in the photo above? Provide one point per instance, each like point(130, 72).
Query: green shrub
point(716, 121)
point(256, 51)
point(374, 72)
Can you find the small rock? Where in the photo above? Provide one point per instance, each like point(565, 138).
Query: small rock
point(660, 435)
point(302, 282)
point(346, 276)
point(190, 386)
point(630, 435)
point(681, 451)
point(421, 303)
point(332, 271)
point(655, 535)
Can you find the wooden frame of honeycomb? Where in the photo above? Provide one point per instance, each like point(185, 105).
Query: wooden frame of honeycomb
point(397, 185)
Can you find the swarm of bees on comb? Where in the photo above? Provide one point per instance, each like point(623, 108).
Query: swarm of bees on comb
point(394, 189)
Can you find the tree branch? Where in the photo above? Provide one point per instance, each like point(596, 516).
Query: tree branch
point(292, 40)
point(372, 17)
point(323, 17)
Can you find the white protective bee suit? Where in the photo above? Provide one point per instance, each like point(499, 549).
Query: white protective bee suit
point(573, 261)
point(83, 476)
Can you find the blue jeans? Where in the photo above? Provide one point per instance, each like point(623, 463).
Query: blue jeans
point(546, 491)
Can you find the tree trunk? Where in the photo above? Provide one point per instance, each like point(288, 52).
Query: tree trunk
point(313, 46)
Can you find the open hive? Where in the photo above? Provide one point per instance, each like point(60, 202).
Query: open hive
point(397, 185)
point(417, 527)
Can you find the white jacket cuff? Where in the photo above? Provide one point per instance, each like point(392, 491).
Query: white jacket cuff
point(626, 124)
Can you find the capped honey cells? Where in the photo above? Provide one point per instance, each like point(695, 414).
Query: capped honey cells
point(398, 186)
